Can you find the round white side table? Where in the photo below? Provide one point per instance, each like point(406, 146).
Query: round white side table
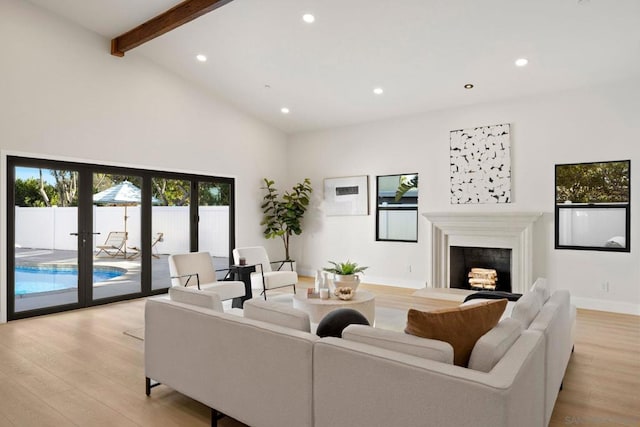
point(317, 308)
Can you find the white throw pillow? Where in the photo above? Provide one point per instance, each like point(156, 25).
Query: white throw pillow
point(439, 351)
point(277, 314)
point(541, 288)
point(193, 296)
point(526, 309)
point(490, 348)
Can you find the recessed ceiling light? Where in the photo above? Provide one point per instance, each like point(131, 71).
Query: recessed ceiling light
point(284, 110)
point(521, 62)
point(201, 58)
point(308, 18)
point(468, 86)
point(378, 91)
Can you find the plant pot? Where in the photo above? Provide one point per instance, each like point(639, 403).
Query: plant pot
point(344, 281)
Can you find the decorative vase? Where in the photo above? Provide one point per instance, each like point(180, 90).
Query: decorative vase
point(326, 282)
point(345, 281)
point(319, 284)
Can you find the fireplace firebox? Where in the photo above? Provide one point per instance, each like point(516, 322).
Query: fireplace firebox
point(463, 258)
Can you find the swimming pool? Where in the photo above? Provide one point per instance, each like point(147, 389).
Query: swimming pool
point(31, 279)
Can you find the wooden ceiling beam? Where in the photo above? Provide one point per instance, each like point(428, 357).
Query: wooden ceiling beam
point(173, 18)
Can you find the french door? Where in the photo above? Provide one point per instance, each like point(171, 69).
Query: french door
point(83, 234)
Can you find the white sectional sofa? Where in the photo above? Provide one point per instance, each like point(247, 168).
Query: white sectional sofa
point(268, 370)
point(555, 319)
point(259, 373)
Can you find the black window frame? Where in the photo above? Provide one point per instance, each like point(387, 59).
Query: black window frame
point(595, 205)
point(85, 296)
point(397, 207)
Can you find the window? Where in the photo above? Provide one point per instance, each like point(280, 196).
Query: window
point(397, 208)
point(592, 209)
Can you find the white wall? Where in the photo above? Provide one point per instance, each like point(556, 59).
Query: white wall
point(591, 124)
point(63, 96)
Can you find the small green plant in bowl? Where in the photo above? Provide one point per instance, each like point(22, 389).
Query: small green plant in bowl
point(344, 275)
point(345, 268)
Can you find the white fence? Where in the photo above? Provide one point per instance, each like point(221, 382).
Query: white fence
point(591, 226)
point(50, 228)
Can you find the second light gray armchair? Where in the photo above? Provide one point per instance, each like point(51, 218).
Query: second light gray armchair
point(266, 277)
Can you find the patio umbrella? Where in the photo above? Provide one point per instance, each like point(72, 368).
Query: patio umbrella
point(125, 194)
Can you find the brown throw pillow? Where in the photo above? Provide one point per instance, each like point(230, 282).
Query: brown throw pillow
point(461, 326)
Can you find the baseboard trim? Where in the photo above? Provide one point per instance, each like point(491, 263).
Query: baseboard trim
point(606, 305)
point(374, 280)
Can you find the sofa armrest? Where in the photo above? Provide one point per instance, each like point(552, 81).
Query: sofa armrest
point(195, 297)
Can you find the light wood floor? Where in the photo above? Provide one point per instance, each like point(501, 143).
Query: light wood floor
point(79, 369)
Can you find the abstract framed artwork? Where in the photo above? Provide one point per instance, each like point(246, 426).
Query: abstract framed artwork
point(480, 165)
point(346, 195)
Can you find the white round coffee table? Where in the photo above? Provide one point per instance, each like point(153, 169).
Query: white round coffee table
point(317, 308)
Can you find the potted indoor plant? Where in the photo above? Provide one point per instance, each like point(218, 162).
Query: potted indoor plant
point(345, 274)
point(283, 215)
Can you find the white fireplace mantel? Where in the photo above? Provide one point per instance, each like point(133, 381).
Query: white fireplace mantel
point(509, 230)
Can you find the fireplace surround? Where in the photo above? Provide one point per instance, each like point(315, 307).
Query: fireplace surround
point(508, 230)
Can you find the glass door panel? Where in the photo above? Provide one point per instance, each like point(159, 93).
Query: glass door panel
point(45, 231)
point(117, 250)
point(213, 224)
point(81, 234)
point(170, 226)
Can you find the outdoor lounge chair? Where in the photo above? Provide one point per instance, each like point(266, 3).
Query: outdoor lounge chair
point(136, 251)
point(114, 244)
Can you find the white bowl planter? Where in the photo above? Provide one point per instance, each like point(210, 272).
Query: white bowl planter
point(344, 281)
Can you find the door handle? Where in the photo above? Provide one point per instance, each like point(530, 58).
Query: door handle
point(84, 235)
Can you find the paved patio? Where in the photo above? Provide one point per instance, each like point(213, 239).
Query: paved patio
point(127, 283)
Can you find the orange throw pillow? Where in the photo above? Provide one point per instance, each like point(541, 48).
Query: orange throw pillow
point(461, 326)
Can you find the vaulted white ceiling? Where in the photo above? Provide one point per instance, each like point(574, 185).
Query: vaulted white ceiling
point(421, 52)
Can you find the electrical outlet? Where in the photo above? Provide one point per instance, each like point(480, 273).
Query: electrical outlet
point(409, 268)
point(604, 286)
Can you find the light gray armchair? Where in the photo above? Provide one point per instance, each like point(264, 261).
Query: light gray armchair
point(266, 277)
point(197, 269)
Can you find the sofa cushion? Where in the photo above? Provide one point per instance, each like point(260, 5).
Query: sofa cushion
point(526, 309)
point(277, 314)
point(193, 296)
point(494, 344)
point(461, 326)
point(439, 351)
point(541, 289)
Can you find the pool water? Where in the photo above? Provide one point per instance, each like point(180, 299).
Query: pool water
point(32, 279)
